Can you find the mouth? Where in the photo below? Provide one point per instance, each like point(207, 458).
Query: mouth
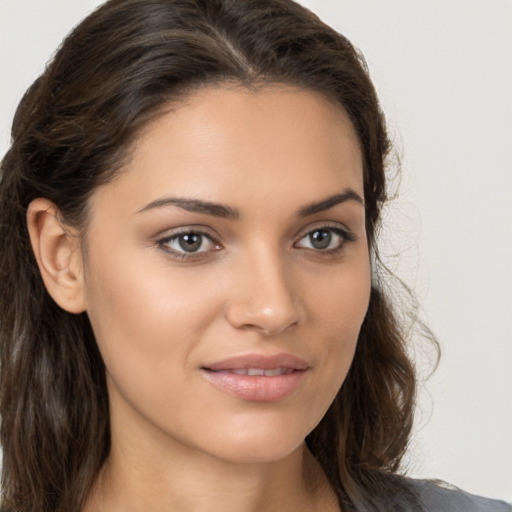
point(252, 372)
point(257, 377)
point(259, 362)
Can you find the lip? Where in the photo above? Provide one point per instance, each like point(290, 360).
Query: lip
point(258, 388)
point(264, 361)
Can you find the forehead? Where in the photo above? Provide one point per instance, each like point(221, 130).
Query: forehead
point(229, 143)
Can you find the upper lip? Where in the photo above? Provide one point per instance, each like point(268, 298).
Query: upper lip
point(263, 361)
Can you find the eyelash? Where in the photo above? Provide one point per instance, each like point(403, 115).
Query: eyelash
point(343, 234)
point(182, 255)
point(344, 237)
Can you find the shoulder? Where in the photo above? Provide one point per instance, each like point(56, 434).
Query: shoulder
point(438, 496)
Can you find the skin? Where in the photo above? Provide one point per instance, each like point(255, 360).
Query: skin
point(260, 285)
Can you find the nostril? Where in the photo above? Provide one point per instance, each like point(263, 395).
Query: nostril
point(263, 295)
point(268, 320)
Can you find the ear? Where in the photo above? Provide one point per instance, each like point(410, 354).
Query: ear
point(58, 255)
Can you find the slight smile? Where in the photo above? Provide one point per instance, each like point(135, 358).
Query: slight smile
point(258, 377)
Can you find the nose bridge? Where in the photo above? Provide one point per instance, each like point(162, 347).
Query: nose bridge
point(264, 295)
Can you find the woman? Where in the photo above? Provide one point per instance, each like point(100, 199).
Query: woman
point(189, 213)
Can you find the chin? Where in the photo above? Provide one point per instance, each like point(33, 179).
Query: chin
point(259, 443)
point(261, 454)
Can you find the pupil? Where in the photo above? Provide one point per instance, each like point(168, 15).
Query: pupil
point(190, 242)
point(320, 239)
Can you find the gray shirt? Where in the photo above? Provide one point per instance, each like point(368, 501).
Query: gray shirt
point(440, 497)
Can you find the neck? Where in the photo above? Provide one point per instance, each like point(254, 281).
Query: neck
point(199, 483)
point(148, 469)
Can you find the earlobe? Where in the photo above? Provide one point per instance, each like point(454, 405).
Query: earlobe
point(57, 251)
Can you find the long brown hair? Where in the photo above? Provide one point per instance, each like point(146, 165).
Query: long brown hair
point(72, 132)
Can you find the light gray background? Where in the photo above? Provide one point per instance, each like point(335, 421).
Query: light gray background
point(443, 70)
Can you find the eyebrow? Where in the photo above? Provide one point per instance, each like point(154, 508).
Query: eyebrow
point(195, 205)
point(227, 212)
point(347, 195)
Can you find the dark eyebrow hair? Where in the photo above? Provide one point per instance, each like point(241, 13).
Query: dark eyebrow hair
point(195, 205)
point(227, 212)
point(347, 195)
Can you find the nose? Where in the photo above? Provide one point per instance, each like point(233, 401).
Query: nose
point(263, 297)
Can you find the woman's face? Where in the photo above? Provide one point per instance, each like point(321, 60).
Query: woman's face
point(227, 273)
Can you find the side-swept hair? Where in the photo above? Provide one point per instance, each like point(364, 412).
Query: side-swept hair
point(118, 69)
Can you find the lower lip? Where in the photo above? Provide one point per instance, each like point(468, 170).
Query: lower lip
point(257, 388)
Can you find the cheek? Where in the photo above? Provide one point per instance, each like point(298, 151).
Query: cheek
point(338, 306)
point(148, 328)
point(147, 322)
point(340, 298)
point(153, 323)
point(142, 300)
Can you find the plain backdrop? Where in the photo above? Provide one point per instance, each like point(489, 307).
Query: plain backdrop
point(443, 70)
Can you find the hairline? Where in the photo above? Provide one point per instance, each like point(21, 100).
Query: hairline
point(183, 94)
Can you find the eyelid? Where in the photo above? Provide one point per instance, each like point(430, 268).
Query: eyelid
point(172, 234)
point(333, 226)
point(345, 234)
point(184, 228)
